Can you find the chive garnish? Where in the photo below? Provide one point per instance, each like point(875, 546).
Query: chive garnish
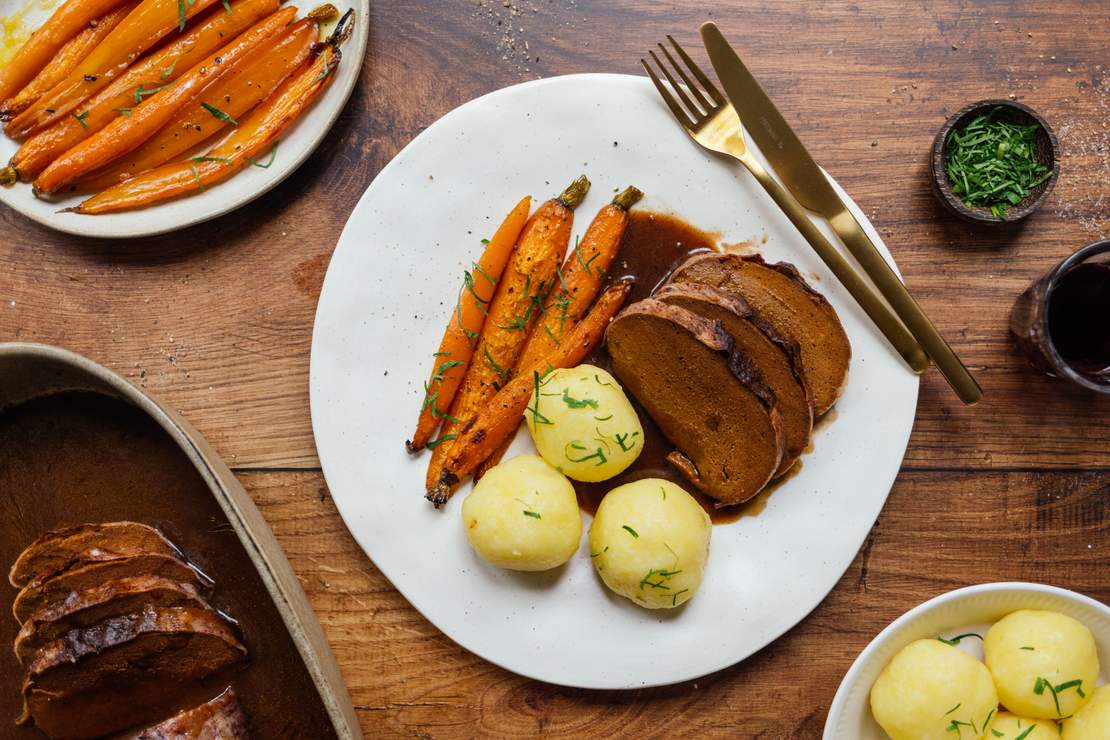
point(953, 709)
point(437, 442)
point(996, 733)
point(621, 439)
point(1025, 647)
point(140, 93)
point(674, 598)
point(575, 403)
point(532, 514)
point(81, 118)
point(1025, 734)
point(956, 640)
point(599, 382)
point(502, 371)
point(485, 241)
point(664, 490)
point(124, 111)
point(631, 531)
point(595, 554)
point(327, 67)
point(227, 6)
point(537, 417)
point(225, 160)
point(664, 575)
point(196, 177)
point(219, 114)
point(598, 453)
point(992, 164)
point(603, 418)
point(273, 153)
point(957, 727)
point(169, 70)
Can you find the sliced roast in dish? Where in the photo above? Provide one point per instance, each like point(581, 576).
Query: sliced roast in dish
point(128, 671)
point(46, 593)
point(61, 549)
point(785, 300)
point(777, 359)
point(219, 719)
point(705, 395)
point(90, 606)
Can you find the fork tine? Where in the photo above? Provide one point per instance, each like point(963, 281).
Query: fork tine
point(676, 109)
point(694, 90)
point(705, 81)
point(695, 112)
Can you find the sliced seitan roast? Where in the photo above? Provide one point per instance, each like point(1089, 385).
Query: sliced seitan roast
point(90, 606)
point(784, 299)
point(45, 593)
point(776, 358)
point(219, 719)
point(128, 671)
point(706, 397)
point(61, 549)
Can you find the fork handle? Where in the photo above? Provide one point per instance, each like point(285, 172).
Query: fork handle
point(897, 334)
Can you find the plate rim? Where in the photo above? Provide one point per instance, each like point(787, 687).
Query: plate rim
point(361, 39)
point(526, 671)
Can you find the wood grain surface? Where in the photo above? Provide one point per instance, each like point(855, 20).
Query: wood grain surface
point(217, 320)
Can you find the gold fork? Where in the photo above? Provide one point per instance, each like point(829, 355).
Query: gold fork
point(713, 123)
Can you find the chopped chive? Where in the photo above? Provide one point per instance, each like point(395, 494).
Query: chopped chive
point(437, 442)
point(953, 709)
point(1025, 734)
point(196, 177)
point(1025, 647)
point(225, 160)
point(532, 514)
point(485, 241)
point(124, 111)
point(273, 153)
point(956, 640)
point(169, 70)
point(595, 554)
point(603, 418)
point(630, 530)
point(674, 598)
point(219, 114)
point(81, 118)
point(140, 93)
point(227, 7)
point(575, 403)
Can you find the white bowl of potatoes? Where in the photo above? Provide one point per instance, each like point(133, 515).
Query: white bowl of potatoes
point(997, 661)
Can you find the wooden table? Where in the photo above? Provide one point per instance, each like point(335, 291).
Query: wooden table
point(217, 321)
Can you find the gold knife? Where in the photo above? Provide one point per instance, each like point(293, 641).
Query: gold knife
point(807, 182)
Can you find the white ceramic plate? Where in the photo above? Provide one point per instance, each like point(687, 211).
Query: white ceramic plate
point(388, 292)
point(971, 609)
point(298, 141)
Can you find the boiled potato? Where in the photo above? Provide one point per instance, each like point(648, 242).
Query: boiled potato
point(1006, 726)
point(1037, 658)
point(933, 691)
point(583, 424)
point(1092, 722)
point(649, 542)
point(523, 515)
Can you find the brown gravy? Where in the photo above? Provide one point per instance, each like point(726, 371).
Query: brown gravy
point(654, 244)
point(82, 457)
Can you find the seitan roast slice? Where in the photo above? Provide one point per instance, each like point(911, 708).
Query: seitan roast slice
point(776, 358)
point(783, 298)
point(128, 671)
point(45, 593)
point(95, 604)
point(706, 397)
point(56, 551)
point(221, 718)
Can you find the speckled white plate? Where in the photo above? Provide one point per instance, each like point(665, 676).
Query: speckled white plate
point(389, 290)
point(971, 609)
point(297, 143)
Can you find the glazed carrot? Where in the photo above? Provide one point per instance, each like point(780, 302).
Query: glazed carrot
point(141, 29)
point(233, 94)
point(257, 134)
point(67, 58)
point(127, 132)
point(579, 281)
point(528, 279)
point(147, 75)
point(500, 418)
point(66, 22)
point(464, 326)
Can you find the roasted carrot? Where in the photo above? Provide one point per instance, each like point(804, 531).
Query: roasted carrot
point(65, 23)
point(516, 304)
point(128, 132)
point(64, 62)
point(141, 29)
point(465, 325)
point(579, 281)
point(138, 83)
point(233, 94)
point(257, 134)
point(500, 418)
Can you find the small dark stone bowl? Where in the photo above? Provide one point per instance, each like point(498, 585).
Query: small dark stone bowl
point(1045, 148)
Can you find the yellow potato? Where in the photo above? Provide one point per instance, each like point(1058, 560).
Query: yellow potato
point(583, 424)
point(523, 515)
point(1092, 722)
point(933, 691)
point(649, 542)
point(1006, 726)
point(1044, 663)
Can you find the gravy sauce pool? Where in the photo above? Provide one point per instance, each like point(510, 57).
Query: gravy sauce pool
point(76, 457)
point(654, 244)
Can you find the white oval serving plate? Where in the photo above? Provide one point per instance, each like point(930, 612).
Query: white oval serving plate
point(386, 298)
point(971, 609)
point(296, 144)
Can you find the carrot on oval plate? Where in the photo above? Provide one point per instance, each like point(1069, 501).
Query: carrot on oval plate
point(528, 279)
point(463, 328)
point(500, 418)
point(142, 80)
point(256, 135)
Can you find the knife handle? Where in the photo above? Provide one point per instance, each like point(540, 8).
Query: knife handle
point(867, 298)
point(863, 249)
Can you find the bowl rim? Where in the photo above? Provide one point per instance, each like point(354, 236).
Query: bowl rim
point(943, 189)
point(851, 677)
